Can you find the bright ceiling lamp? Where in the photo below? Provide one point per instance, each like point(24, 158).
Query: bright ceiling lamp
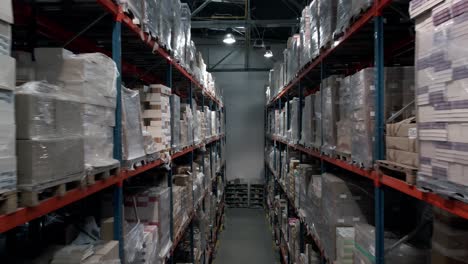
point(229, 38)
point(268, 53)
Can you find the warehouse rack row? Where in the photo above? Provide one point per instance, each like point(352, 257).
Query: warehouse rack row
point(346, 58)
point(141, 61)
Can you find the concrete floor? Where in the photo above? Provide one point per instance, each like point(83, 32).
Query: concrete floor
point(246, 239)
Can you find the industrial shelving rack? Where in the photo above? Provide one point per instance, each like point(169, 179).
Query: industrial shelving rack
point(391, 43)
point(97, 27)
point(237, 195)
point(256, 195)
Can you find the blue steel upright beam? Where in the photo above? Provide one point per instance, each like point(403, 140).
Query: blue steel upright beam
point(118, 189)
point(379, 136)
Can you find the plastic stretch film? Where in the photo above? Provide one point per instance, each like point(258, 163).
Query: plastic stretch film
point(441, 96)
point(330, 87)
point(363, 117)
point(327, 21)
point(364, 251)
point(344, 125)
point(317, 143)
point(132, 135)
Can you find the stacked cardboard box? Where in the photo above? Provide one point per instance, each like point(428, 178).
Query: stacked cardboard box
point(441, 79)
point(49, 136)
point(152, 207)
point(157, 115)
point(317, 143)
point(293, 239)
point(7, 105)
point(180, 214)
point(186, 125)
point(401, 142)
point(92, 77)
point(343, 205)
point(344, 245)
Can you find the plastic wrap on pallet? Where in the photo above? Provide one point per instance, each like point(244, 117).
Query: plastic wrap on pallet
point(317, 143)
point(152, 208)
point(178, 37)
point(151, 17)
point(5, 38)
point(359, 6)
point(165, 16)
point(135, 7)
point(307, 121)
point(441, 85)
point(363, 117)
point(293, 132)
point(91, 76)
point(399, 92)
point(133, 240)
point(132, 135)
point(305, 33)
point(327, 21)
point(44, 110)
point(344, 125)
point(364, 251)
point(344, 204)
point(343, 16)
point(42, 161)
point(186, 29)
point(314, 30)
point(344, 244)
point(330, 108)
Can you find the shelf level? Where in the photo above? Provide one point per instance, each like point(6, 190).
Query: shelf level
point(366, 17)
point(453, 206)
point(26, 214)
point(157, 49)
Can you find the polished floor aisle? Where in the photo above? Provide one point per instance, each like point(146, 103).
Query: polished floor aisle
point(246, 239)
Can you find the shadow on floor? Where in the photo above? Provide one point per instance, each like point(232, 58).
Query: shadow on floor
point(246, 239)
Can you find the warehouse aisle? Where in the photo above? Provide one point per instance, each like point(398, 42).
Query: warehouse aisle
point(246, 239)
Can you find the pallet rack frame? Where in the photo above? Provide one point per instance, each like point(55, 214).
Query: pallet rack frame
point(81, 44)
point(379, 180)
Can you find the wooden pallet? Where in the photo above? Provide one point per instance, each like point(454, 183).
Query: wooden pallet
point(135, 163)
point(8, 202)
point(101, 173)
point(344, 156)
point(30, 196)
point(400, 171)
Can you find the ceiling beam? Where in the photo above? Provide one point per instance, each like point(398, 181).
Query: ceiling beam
point(201, 7)
point(223, 24)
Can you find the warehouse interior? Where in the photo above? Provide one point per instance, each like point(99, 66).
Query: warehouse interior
point(233, 131)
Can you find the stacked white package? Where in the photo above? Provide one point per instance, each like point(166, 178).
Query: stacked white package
point(7, 107)
point(7, 126)
point(6, 19)
point(441, 97)
point(157, 115)
point(92, 77)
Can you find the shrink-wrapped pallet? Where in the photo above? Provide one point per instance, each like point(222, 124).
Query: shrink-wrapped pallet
point(343, 16)
point(305, 37)
point(132, 135)
point(327, 22)
point(49, 136)
point(363, 117)
point(157, 115)
point(314, 30)
point(441, 81)
point(293, 132)
point(317, 143)
point(175, 121)
point(364, 251)
point(330, 110)
point(165, 17)
point(308, 123)
point(344, 125)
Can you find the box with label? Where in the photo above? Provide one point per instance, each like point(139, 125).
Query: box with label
point(402, 143)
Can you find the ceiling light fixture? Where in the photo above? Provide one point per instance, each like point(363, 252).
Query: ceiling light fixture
point(229, 38)
point(268, 53)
